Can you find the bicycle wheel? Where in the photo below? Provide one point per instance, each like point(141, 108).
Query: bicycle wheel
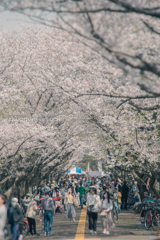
point(148, 221)
point(155, 222)
point(23, 228)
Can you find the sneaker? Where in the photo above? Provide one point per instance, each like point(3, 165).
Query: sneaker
point(95, 232)
point(104, 231)
point(29, 234)
point(50, 234)
point(45, 234)
point(36, 234)
point(91, 231)
point(142, 220)
point(20, 237)
point(107, 232)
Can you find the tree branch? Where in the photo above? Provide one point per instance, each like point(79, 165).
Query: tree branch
point(137, 137)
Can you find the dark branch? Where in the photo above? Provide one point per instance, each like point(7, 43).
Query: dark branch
point(137, 137)
point(119, 96)
point(150, 27)
point(144, 108)
point(130, 8)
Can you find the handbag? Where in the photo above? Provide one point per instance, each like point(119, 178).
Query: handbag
point(90, 207)
point(103, 213)
point(75, 203)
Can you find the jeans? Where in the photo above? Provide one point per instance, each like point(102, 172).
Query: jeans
point(93, 216)
point(124, 199)
point(48, 217)
point(81, 197)
point(14, 229)
point(64, 205)
point(117, 206)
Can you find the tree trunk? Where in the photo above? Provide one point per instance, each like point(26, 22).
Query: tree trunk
point(26, 186)
point(154, 185)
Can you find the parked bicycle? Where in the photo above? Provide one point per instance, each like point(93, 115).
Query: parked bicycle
point(152, 217)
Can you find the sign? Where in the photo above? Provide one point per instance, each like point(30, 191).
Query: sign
point(94, 174)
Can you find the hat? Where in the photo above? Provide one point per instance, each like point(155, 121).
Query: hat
point(145, 192)
point(116, 187)
point(29, 195)
point(107, 184)
point(14, 200)
point(36, 198)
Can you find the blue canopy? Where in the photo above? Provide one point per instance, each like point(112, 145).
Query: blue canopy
point(75, 170)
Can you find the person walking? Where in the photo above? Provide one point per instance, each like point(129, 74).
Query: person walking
point(69, 202)
point(47, 206)
point(125, 190)
point(109, 190)
point(3, 214)
point(63, 193)
point(134, 187)
point(47, 187)
point(14, 214)
point(41, 193)
point(61, 183)
point(103, 189)
point(106, 213)
point(117, 199)
point(81, 191)
point(93, 205)
point(31, 213)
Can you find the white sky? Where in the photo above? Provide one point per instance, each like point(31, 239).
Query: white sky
point(12, 21)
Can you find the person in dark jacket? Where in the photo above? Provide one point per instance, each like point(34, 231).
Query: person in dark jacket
point(14, 215)
point(125, 190)
point(41, 192)
point(103, 190)
point(47, 206)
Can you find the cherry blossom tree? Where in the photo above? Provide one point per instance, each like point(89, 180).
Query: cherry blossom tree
point(125, 33)
point(60, 98)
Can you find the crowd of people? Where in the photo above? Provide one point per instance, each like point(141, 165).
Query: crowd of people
point(98, 194)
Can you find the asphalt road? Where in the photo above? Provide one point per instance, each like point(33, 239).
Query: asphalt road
point(126, 228)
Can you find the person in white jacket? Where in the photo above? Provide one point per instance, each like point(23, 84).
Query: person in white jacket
point(3, 215)
point(106, 213)
point(93, 207)
point(31, 213)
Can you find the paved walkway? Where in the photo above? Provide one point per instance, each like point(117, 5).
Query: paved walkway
point(127, 228)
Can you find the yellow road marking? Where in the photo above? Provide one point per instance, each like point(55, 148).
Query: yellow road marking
point(81, 227)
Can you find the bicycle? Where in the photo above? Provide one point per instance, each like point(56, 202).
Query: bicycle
point(23, 227)
point(152, 218)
